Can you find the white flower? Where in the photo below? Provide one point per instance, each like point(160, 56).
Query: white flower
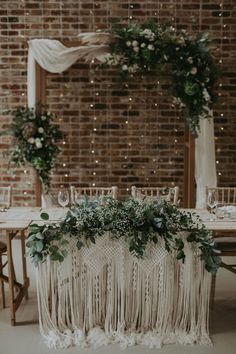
point(151, 47)
point(128, 43)
point(136, 49)
point(43, 117)
point(193, 70)
point(206, 95)
point(40, 130)
point(124, 67)
point(190, 60)
point(31, 140)
point(165, 57)
point(135, 43)
point(177, 101)
point(105, 58)
point(115, 59)
point(148, 34)
point(133, 68)
point(143, 45)
point(38, 143)
point(180, 40)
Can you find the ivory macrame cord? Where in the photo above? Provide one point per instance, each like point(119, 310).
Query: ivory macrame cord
point(102, 294)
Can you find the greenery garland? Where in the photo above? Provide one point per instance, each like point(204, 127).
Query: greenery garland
point(185, 58)
point(139, 222)
point(34, 140)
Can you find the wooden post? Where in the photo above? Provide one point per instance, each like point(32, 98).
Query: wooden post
point(189, 171)
point(40, 100)
point(40, 85)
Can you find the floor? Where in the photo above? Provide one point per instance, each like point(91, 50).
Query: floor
point(25, 339)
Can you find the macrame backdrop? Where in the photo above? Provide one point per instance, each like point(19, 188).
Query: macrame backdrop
point(102, 294)
point(54, 57)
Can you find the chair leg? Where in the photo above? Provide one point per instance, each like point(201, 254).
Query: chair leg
point(2, 285)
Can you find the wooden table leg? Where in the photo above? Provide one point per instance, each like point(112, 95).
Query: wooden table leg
point(24, 267)
point(2, 285)
point(11, 278)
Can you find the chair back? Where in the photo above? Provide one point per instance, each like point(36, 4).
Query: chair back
point(79, 192)
point(224, 195)
point(169, 194)
point(5, 197)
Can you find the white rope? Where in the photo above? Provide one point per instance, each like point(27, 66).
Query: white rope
point(103, 295)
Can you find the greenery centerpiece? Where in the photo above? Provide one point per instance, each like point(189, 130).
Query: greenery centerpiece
point(35, 140)
point(138, 222)
point(185, 58)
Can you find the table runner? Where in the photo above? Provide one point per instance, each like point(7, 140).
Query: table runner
point(102, 294)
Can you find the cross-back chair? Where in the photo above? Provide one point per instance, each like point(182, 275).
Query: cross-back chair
point(5, 202)
point(225, 242)
point(79, 192)
point(170, 194)
point(223, 195)
point(5, 197)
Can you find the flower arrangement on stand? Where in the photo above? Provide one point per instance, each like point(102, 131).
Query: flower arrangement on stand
point(185, 58)
point(35, 141)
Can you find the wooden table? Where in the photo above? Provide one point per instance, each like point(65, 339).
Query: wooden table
point(212, 223)
point(17, 219)
point(32, 213)
point(15, 228)
point(57, 213)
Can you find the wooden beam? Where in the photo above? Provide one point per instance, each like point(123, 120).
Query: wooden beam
point(40, 85)
point(40, 100)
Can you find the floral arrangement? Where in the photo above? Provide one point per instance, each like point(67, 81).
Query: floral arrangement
point(185, 58)
point(139, 222)
point(35, 139)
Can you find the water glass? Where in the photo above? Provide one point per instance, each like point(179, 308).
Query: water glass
point(211, 200)
point(220, 211)
point(63, 197)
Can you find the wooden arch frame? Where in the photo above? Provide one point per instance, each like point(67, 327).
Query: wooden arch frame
point(189, 145)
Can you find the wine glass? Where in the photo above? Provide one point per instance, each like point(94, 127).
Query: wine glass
point(63, 197)
point(211, 200)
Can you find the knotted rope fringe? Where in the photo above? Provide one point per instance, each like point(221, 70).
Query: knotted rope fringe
point(103, 295)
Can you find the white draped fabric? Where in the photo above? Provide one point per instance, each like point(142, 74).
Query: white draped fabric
point(205, 165)
point(102, 294)
point(54, 57)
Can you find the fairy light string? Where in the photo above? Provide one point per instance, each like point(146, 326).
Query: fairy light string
point(222, 113)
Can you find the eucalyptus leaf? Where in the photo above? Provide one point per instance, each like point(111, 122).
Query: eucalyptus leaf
point(39, 246)
point(44, 216)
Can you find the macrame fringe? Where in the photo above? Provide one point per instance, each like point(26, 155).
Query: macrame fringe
point(103, 295)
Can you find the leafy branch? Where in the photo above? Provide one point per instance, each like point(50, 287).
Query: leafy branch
point(159, 49)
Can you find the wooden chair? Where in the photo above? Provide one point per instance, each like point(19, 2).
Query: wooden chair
point(225, 242)
point(224, 195)
point(169, 194)
point(5, 202)
point(79, 192)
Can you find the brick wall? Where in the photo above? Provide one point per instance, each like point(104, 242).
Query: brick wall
point(116, 135)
